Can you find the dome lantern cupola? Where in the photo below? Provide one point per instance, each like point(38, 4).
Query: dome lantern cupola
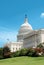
point(26, 19)
point(24, 29)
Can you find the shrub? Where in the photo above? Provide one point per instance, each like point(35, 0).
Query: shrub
point(15, 54)
point(38, 52)
point(32, 52)
point(35, 54)
point(23, 52)
point(41, 49)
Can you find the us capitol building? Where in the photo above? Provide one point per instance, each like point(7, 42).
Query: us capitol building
point(26, 37)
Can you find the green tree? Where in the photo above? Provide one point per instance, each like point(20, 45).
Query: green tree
point(6, 52)
point(1, 53)
point(40, 45)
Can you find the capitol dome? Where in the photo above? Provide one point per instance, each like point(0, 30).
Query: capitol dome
point(26, 27)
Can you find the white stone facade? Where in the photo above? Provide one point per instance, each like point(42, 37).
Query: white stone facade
point(34, 38)
point(27, 37)
point(15, 46)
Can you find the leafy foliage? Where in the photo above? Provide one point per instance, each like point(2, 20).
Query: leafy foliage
point(1, 53)
point(23, 52)
point(6, 52)
point(15, 54)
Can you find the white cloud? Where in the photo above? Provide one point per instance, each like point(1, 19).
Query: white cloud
point(42, 15)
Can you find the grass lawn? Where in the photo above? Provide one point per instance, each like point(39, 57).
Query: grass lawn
point(23, 61)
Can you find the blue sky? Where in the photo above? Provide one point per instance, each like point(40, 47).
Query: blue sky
point(12, 14)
